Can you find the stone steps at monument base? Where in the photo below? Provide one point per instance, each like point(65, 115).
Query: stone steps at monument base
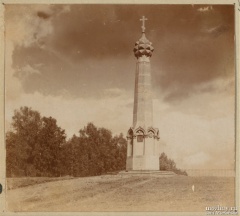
point(148, 172)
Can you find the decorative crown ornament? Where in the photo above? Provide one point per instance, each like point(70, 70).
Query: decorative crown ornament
point(143, 47)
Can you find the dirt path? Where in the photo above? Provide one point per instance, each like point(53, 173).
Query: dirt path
point(124, 193)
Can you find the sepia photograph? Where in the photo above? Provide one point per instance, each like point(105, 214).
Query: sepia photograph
point(120, 108)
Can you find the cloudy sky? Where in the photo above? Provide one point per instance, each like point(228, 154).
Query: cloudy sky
point(76, 64)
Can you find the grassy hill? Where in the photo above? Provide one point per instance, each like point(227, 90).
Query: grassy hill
point(120, 193)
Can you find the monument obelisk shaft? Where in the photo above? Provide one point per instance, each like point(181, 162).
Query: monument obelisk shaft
point(142, 151)
point(143, 108)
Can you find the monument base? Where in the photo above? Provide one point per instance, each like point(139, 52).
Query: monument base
point(156, 173)
point(143, 162)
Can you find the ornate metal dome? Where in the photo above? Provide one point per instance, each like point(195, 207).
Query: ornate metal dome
point(143, 47)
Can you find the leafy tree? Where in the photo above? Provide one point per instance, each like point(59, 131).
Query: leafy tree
point(33, 146)
point(47, 154)
point(21, 142)
point(94, 152)
point(15, 164)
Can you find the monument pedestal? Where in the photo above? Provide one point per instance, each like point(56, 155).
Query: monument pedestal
point(142, 162)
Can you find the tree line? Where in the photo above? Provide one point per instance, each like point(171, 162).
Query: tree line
point(37, 146)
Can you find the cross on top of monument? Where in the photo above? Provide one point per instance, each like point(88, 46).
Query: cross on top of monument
point(143, 23)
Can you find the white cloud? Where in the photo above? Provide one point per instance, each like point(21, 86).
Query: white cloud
point(26, 71)
point(24, 27)
point(65, 9)
point(13, 87)
point(205, 9)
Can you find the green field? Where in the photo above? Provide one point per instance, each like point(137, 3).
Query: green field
point(120, 193)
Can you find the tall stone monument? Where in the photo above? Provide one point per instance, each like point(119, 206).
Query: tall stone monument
point(143, 138)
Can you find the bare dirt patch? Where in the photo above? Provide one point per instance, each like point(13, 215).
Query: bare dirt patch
point(124, 193)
